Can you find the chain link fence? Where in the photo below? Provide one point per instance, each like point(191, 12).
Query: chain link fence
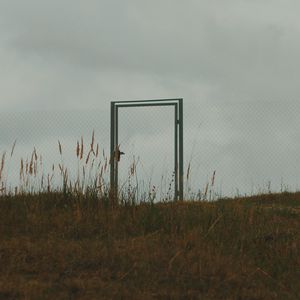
point(232, 149)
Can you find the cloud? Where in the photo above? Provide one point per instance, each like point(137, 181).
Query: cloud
point(235, 63)
point(239, 51)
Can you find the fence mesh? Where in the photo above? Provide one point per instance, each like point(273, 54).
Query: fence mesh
point(228, 149)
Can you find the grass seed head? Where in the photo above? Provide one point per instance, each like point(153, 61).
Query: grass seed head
point(35, 154)
point(77, 150)
point(21, 168)
point(2, 164)
point(59, 147)
point(88, 157)
point(213, 179)
point(93, 140)
point(206, 190)
point(13, 148)
point(188, 171)
point(81, 149)
point(97, 150)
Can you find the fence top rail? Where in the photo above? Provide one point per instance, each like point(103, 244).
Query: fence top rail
point(146, 104)
point(147, 101)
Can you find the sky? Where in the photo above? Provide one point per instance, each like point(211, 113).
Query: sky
point(235, 63)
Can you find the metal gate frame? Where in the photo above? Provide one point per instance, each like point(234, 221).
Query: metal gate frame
point(178, 140)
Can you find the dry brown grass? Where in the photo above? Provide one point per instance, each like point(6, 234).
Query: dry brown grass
point(78, 247)
point(74, 242)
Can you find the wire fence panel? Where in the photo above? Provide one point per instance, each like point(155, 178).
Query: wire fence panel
point(237, 148)
point(147, 138)
point(46, 143)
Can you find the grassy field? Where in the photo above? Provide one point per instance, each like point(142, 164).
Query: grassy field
point(63, 246)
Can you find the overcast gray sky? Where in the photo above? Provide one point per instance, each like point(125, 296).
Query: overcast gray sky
point(236, 64)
